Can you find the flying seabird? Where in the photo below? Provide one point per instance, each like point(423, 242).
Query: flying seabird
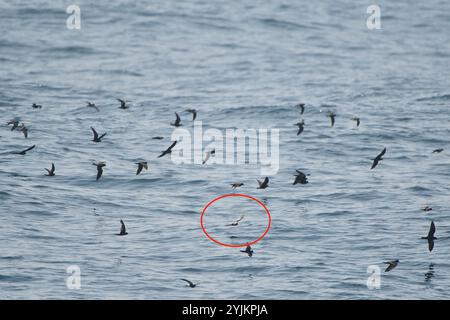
point(36, 106)
point(300, 126)
point(141, 165)
point(168, 150)
point(96, 137)
point(358, 121)
point(391, 265)
point(91, 105)
point(430, 237)
point(378, 158)
point(123, 104)
point(235, 223)
point(302, 107)
point(332, 116)
point(264, 184)
point(158, 138)
point(190, 284)
point(123, 229)
point(236, 185)
point(300, 177)
point(438, 150)
point(15, 124)
point(208, 155)
point(25, 151)
point(177, 122)
point(100, 165)
point(194, 113)
point(248, 251)
point(427, 208)
point(51, 172)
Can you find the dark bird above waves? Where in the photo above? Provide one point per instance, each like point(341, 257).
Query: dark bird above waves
point(438, 150)
point(92, 105)
point(123, 229)
point(248, 250)
point(332, 117)
point(264, 184)
point(430, 237)
point(100, 165)
point(123, 104)
point(301, 126)
point(236, 185)
point(391, 265)
point(300, 177)
point(358, 120)
point(36, 106)
point(302, 107)
point(15, 124)
point(97, 138)
point(51, 172)
point(190, 283)
point(378, 158)
point(177, 122)
point(23, 152)
point(194, 113)
point(168, 150)
point(141, 165)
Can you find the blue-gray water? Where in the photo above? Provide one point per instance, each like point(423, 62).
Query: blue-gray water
point(243, 64)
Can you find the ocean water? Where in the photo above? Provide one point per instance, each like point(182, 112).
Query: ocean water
point(242, 65)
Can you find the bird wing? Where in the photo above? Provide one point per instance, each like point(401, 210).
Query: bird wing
point(375, 163)
point(332, 120)
point(242, 217)
point(53, 168)
point(266, 181)
point(120, 100)
point(389, 267)
point(194, 115)
point(30, 148)
point(382, 153)
point(430, 244)
point(95, 133)
point(123, 229)
point(172, 145)
point(99, 172)
point(140, 166)
point(102, 135)
point(432, 230)
point(190, 283)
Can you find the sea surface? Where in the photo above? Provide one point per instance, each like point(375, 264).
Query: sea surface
point(241, 64)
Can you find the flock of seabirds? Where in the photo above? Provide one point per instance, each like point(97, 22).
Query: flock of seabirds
point(300, 177)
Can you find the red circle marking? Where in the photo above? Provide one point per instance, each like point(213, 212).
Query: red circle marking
point(235, 245)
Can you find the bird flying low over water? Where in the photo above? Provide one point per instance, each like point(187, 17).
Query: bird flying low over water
point(235, 223)
point(208, 155)
point(157, 138)
point(123, 104)
point(430, 237)
point(248, 250)
point(97, 138)
point(92, 105)
point(36, 106)
point(100, 165)
point(301, 126)
point(358, 121)
point(391, 265)
point(190, 283)
point(123, 229)
point(15, 124)
point(378, 158)
point(168, 150)
point(23, 152)
point(236, 185)
point(177, 122)
point(332, 117)
point(438, 150)
point(194, 113)
point(302, 107)
point(300, 177)
point(427, 208)
point(141, 165)
point(51, 172)
point(264, 184)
